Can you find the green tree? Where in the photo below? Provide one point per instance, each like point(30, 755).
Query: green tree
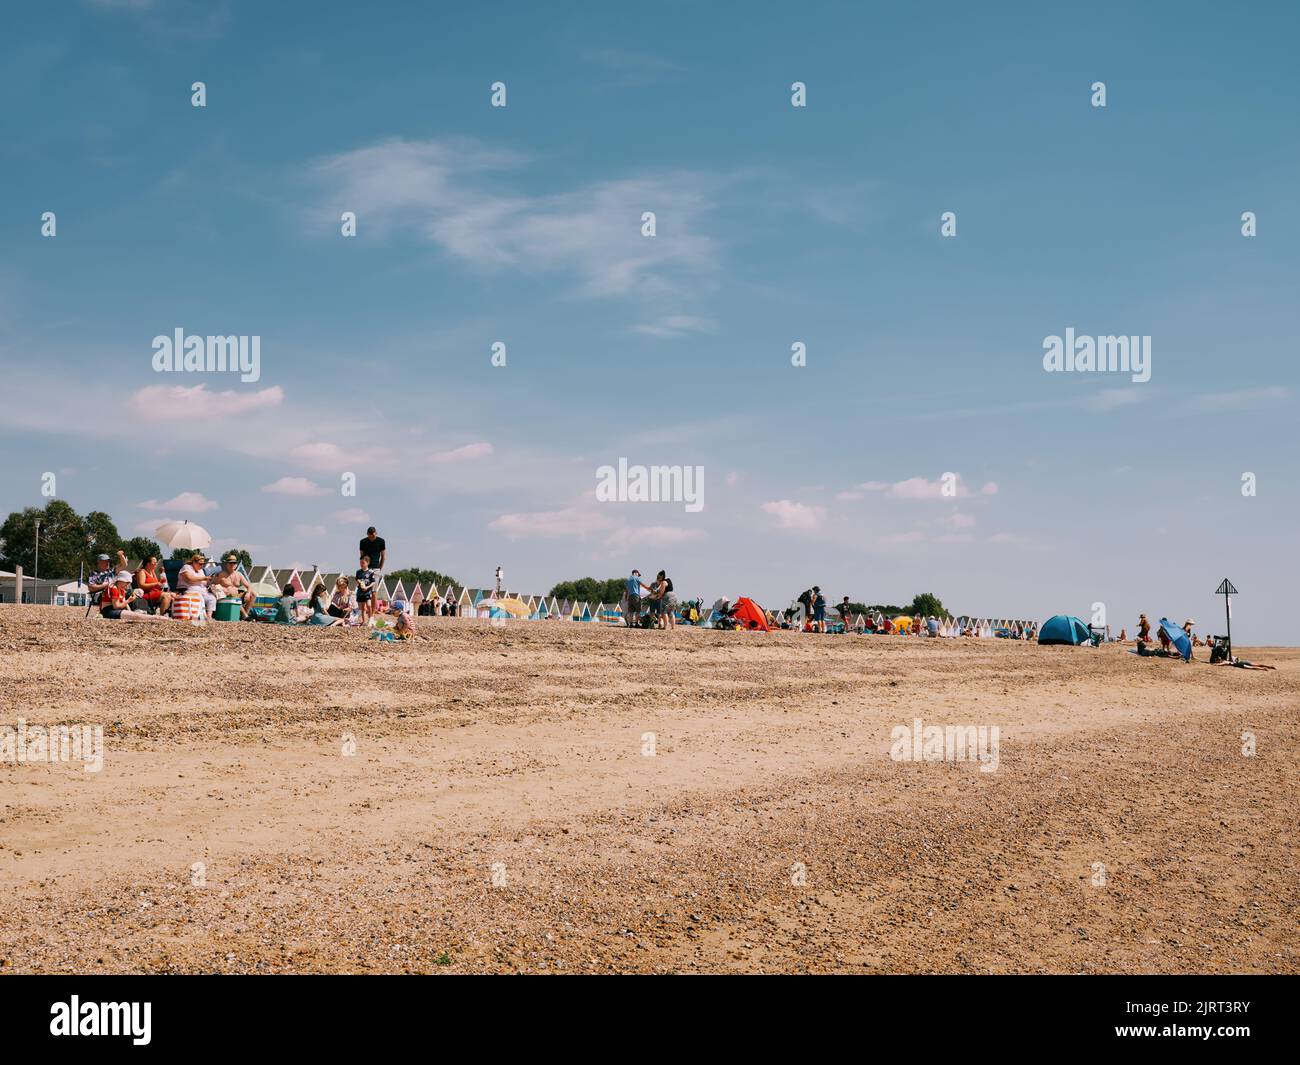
point(62, 540)
point(926, 604)
point(101, 527)
point(589, 589)
point(141, 547)
point(424, 576)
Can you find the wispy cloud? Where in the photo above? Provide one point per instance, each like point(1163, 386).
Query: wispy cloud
point(1241, 399)
point(674, 326)
point(170, 403)
point(326, 455)
point(443, 192)
point(792, 515)
point(610, 526)
point(629, 67)
point(295, 486)
point(467, 453)
point(917, 488)
point(193, 502)
point(350, 516)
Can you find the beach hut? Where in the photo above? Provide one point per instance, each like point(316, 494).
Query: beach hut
point(565, 611)
point(543, 611)
point(398, 590)
point(295, 581)
point(417, 596)
point(73, 593)
point(315, 577)
point(383, 593)
point(552, 608)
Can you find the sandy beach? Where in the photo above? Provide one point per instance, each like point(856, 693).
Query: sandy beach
point(555, 797)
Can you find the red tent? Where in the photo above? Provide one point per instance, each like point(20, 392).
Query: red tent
point(750, 615)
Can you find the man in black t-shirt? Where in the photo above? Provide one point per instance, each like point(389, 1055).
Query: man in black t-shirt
point(376, 549)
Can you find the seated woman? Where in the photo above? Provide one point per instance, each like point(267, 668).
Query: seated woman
point(341, 601)
point(193, 578)
point(320, 614)
point(153, 589)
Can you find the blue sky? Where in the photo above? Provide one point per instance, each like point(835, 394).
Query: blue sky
point(775, 224)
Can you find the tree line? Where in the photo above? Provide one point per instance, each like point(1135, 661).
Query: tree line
point(69, 540)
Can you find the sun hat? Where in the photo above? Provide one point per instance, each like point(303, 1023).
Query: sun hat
point(102, 558)
point(123, 575)
point(1189, 621)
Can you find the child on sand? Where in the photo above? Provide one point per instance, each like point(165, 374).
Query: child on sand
point(404, 628)
point(366, 590)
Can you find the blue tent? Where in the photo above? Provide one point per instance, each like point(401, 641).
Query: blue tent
point(1064, 629)
point(1178, 637)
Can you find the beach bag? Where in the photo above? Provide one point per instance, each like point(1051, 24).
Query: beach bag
point(188, 608)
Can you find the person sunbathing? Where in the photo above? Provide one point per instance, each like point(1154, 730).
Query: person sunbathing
point(232, 584)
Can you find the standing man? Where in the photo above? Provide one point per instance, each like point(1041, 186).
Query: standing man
point(374, 548)
point(632, 615)
point(806, 601)
point(819, 610)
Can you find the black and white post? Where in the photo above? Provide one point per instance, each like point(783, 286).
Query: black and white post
point(1226, 589)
